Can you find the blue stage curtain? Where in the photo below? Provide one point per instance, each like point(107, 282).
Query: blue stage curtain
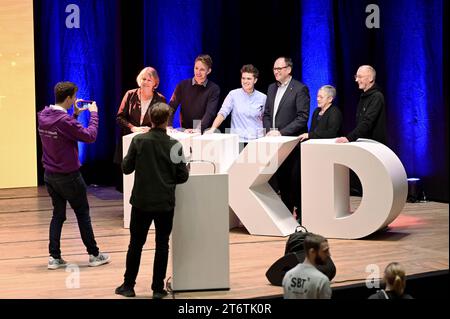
point(327, 40)
point(172, 40)
point(318, 60)
point(412, 51)
point(86, 56)
point(407, 53)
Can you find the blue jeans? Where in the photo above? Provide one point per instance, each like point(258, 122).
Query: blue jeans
point(71, 188)
point(139, 226)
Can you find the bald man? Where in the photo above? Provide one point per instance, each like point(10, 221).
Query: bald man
point(370, 114)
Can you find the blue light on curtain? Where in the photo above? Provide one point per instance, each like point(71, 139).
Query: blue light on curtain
point(172, 39)
point(413, 55)
point(85, 56)
point(317, 46)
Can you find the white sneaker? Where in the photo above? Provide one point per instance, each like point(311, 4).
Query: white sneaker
point(54, 263)
point(101, 259)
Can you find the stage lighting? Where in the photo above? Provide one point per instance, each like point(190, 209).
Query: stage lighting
point(416, 192)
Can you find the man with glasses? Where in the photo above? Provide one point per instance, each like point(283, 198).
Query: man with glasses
point(370, 117)
point(286, 113)
point(370, 114)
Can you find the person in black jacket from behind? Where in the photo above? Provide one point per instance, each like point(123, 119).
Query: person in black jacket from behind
point(159, 165)
point(327, 118)
point(395, 279)
point(371, 113)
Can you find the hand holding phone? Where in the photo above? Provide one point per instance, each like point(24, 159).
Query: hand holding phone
point(86, 105)
point(93, 107)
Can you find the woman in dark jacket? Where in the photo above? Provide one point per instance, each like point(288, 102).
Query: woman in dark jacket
point(327, 118)
point(134, 111)
point(395, 279)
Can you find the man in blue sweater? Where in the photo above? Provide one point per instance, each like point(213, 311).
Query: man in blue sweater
point(60, 133)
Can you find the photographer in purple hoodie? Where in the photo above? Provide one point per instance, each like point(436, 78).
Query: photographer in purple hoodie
point(60, 133)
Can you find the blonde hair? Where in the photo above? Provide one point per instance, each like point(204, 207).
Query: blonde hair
point(394, 275)
point(151, 72)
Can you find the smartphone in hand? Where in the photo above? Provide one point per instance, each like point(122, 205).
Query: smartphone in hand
point(85, 103)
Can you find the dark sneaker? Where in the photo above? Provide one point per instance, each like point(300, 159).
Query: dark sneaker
point(160, 294)
point(125, 291)
point(55, 263)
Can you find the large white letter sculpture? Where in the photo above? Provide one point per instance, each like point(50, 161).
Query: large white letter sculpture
point(252, 199)
point(325, 187)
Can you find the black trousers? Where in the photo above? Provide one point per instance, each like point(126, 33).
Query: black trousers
point(71, 188)
point(139, 226)
point(288, 180)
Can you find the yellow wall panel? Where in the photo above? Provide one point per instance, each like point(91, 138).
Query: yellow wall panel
point(17, 95)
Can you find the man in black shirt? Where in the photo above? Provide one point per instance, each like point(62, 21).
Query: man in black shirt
point(370, 114)
point(370, 117)
point(157, 172)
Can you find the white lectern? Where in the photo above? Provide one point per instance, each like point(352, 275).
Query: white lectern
point(253, 200)
point(220, 150)
point(200, 235)
point(128, 180)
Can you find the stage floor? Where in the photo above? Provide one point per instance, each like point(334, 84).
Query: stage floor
point(418, 239)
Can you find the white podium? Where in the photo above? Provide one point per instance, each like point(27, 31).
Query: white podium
point(128, 180)
point(253, 200)
point(200, 235)
point(220, 150)
point(325, 187)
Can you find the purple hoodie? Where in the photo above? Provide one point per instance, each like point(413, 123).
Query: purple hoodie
point(59, 134)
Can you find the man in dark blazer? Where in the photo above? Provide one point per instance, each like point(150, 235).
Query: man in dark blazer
point(286, 113)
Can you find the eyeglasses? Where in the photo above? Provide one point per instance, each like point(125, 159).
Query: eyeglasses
point(279, 69)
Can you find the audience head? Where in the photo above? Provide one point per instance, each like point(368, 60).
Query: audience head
point(159, 114)
point(394, 276)
point(316, 249)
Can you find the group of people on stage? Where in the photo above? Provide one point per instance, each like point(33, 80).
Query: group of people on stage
point(283, 111)
point(252, 112)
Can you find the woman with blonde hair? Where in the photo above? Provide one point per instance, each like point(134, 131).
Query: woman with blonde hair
point(395, 279)
point(134, 111)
